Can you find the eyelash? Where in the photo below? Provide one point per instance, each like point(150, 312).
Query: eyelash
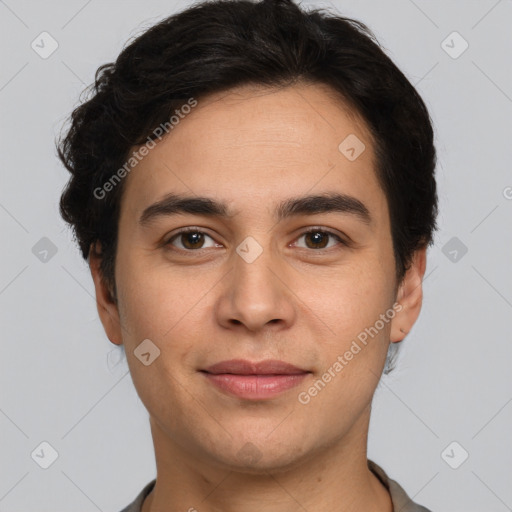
point(168, 243)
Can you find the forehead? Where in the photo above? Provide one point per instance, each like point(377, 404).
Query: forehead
point(252, 146)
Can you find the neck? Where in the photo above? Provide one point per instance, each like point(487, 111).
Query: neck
point(336, 477)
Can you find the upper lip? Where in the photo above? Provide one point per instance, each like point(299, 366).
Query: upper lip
point(243, 367)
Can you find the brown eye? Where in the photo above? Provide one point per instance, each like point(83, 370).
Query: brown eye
point(319, 239)
point(189, 239)
point(193, 240)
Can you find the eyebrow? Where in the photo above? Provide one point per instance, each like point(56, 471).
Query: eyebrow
point(175, 204)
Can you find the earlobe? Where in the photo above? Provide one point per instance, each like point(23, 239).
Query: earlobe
point(410, 297)
point(107, 308)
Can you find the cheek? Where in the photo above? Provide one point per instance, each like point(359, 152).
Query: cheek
point(354, 350)
point(174, 312)
point(352, 301)
point(354, 355)
point(156, 299)
point(159, 309)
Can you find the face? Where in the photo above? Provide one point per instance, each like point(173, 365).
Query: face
point(266, 279)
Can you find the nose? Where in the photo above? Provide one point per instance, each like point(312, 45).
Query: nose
point(256, 294)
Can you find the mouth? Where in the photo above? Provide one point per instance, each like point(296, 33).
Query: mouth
point(254, 380)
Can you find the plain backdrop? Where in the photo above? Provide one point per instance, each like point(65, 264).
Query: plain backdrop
point(64, 384)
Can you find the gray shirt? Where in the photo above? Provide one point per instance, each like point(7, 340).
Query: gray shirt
point(401, 502)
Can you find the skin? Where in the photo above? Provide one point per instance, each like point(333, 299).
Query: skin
point(251, 148)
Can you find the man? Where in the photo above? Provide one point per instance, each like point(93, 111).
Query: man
point(253, 187)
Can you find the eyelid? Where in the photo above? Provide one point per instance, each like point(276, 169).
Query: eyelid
point(306, 231)
point(321, 229)
point(188, 229)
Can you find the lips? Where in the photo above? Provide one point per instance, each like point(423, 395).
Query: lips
point(243, 367)
point(248, 380)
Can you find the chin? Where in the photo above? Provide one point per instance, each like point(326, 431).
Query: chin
point(259, 456)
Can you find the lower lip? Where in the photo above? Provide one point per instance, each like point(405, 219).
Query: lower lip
point(255, 387)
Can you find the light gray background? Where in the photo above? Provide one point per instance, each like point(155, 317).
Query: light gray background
point(63, 382)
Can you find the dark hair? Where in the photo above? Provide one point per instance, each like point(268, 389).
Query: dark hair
point(217, 45)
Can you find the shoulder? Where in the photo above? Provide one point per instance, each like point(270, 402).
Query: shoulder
point(136, 504)
point(400, 499)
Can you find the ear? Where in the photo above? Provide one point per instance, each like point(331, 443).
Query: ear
point(410, 296)
point(107, 307)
